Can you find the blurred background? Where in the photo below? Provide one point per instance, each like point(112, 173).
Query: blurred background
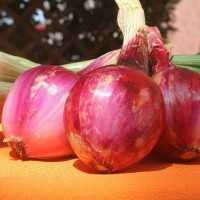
point(64, 31)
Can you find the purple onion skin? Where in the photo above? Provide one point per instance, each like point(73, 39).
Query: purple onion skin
point(32, 118)
point(181, 90)
point(106, 59)
point(114, 117)
point(135, 53)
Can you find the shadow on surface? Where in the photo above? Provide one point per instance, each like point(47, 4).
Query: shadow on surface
point(78, 164)
point(14, 157)
point(148, 164)
point(2, 144)
point(195, 161)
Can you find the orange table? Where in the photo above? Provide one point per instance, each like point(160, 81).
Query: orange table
point(70, 179)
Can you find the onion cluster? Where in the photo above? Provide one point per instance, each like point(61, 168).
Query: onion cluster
point(112, 113)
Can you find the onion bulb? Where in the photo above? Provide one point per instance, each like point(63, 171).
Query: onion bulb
point(115, 114)
point(114, 117)
point(181, 90)
point(32, 117)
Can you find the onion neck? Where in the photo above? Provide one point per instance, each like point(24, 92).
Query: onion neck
point(131, 20)
point(158, 54)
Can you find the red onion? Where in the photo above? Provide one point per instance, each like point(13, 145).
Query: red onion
point(181, 91)
point(32, 117)
point(114, 115)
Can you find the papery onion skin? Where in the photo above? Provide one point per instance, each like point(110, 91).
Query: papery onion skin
point(104, 60)
point(32, 118)
point(114, 116)
point(135, 51)
point(181, 90)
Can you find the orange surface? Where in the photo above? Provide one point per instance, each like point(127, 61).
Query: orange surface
point(70, 179)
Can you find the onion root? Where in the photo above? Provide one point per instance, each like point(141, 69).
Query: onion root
point(18, 147)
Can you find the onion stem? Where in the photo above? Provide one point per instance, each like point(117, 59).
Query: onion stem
point(4, 89)
point(187, 60)
point(131, 20)
point(12, 66)
point(77, 66)
point(191, 68)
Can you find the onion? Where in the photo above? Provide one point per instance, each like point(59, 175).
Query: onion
point(32, 117)
point(181, 91)
point(115, 114)
point(114, 117)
